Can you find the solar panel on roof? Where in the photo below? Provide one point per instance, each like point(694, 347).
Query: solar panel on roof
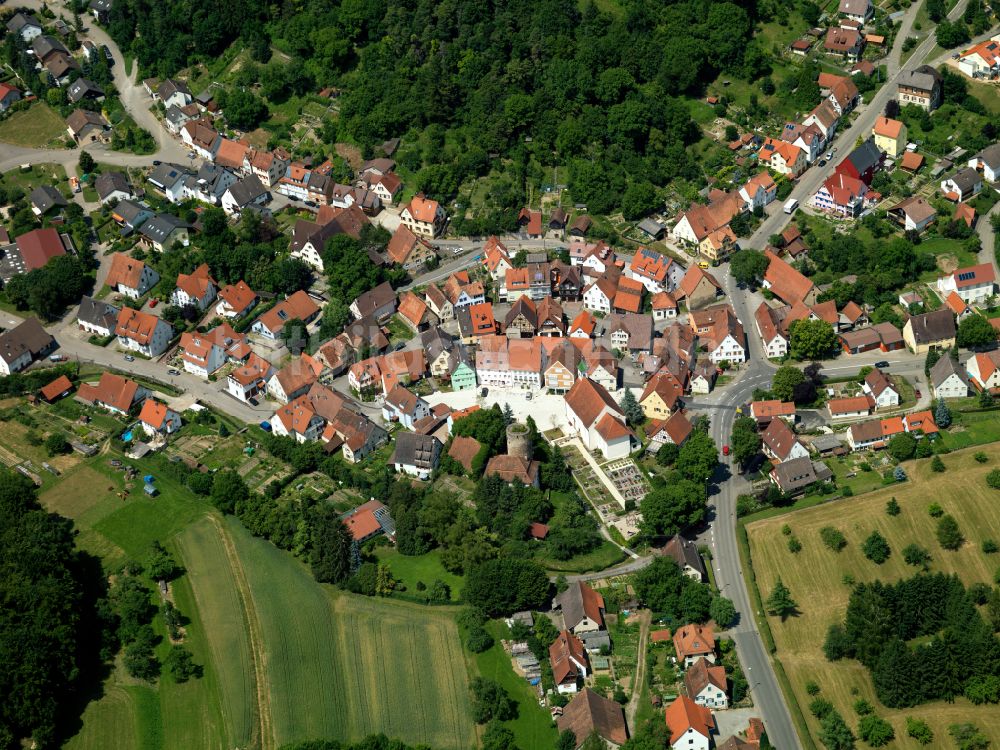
point(965, 276)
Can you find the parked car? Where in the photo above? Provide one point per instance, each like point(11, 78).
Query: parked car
point(154, 302)
point(156, 162)
point(822, 162)
point(311, 204)
point(173, 371)
point(485, 392)
point(882, 363)
point(725, 450)
point(252, 401)
point(107, 54)
point(919, 394)
point(57, 358)
point(129, 358)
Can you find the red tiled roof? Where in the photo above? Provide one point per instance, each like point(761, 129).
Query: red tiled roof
point(56, 388)
point(196, 283)
point(588, 399)
point(136, 325)
point(154, 413)
point(785, 282)
point(112, 390)
point(684, 714)
point(125, 271)
point(850, 405)
point(39, 246)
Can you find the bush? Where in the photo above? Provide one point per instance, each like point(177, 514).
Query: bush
point(875, 731)
point(478, 640)
point(786, 530)
point(914, 554)
point(833, 538)
point(876, 548)
point(863, 707)
point(935, 510)
point(990, 547)
point(918, 730)
point(892, 507)
point(820, 707)
point(812, 688)
point(937, 465)
point(980, 457)
point(949, 535)
point(794, 545)
point(993, 479)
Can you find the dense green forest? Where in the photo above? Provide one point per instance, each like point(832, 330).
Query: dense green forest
point(486, 84)
point(50, 631)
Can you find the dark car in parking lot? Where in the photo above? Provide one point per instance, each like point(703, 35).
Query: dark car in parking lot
point(107, 53)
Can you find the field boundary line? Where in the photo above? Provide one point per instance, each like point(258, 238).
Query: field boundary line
point(265, 726)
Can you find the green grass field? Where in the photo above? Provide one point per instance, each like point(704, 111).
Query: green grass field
point(284, 658)
point(352, 665)
point(815, 578)
point(533, 728)
point(33, 128)
point(426, 568)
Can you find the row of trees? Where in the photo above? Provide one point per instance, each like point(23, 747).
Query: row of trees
point(678, 500)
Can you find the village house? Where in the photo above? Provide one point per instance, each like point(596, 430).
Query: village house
point(210, 184)
point(786, 283)
point(664, 306)
point(700, 220)
point(414, 312)
point(476, 321)
point(407, 250)
point(983, 370)
point(913, 214)
point(661, 396)
point(780, 443)
point(721, 333)
point(962, 185)
point(859, 11)
point(156, 418)
point(840, 91)
point(423, 216)
point(309, 238)
point(245, 193)
point(759, 191)
point(845, 43)
point(949, 379)
point(657, 272)
point(368, 521)
point(24, 25)
point(44, 198)
point(707, 684)
point(693, 642)
point(589, 713)
point(769, 329)
point(783, 157)
point(570, 665)
point(881, 389)
point(974, 284)
point(685, 553)
point(982, 60)
point(298, 306)
point(196, 288)
point(85, 126)
point(921, 87)
point(142, 332)
point(862, 163)
point(297, 420)
point(796, 474)
point(204, 353)
point(630, 332)
point(987, 161)
point(173, 93)
point(294, 379)
point(689, 724)
point(202, 138)
point(890, 136)
point(850, 407)
point(562, 367)
point(97, 317)
point(933, 330)
point(403, 406)
point(235, 300)
point(698, 288)
point(22, 345)
point(582, 608)
point(765, 411)
point(416, 455)
point(599, 422)
point(674, 430)
point(249, 380)
point(161, 232)
point(112, 392)
point(33, 250)
point(170, 180)
point(843, 196)
point(113, 186)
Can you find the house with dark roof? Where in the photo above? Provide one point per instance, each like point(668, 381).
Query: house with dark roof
point(97, 317)
point(25, 25)
point(169, 179)
point(162, 231)
point(948, 379)
point(23, 344)
point(795, 475)
point(962, 185)
point(130, 215)
point(863, 162)
point(113, 186)
point(589, 713)
point(920, 87)
point(416, 455)
point(582, 608)
point(932, 330)
point(83, 88)
point(243, 194)
point(44, 198)
point(685, 553)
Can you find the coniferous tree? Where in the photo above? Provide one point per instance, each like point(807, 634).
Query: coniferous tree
point(780, 602)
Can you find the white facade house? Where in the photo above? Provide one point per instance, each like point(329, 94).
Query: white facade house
point(974, 285)
point(599, 422)
point(950, 379)
point(881, 390)
point(143, 333)
point(598, 296)
point(728, 350)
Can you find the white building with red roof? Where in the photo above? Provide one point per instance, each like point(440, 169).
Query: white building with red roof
point(689, 724)
point(112, 392)
point(142, 332)
point(597, 419)
point(157, 418)
point(235, 300)
point(423, 216)
point(130, 277)
point(759, 191)
point(196, 288)
point(784, 158)
point(843, 195)
point(249, 380)
point(657, 272)
point(974, 284)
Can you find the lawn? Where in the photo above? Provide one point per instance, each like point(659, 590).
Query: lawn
point(45, 173)
point(942, 246)
point(972, 428)
point(815, 577)
point(34, 128)
point(606, 555)
point(351, 665)
point(398, 330)
point(533, 728)
point(426, 568)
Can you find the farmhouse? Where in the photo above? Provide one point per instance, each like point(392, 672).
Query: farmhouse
point(582, 608)
point(949, 379)
point(423, 216)
point(792, 476)
point(689, 724)
point(569, 661)
point(933, 330)
point(685, 553)
point(921, 87)
point(112, 392)
point(416, 455)
point(22, 345)
point(881, 389)
point(707, 684)
point(368, 521)
point(589, 713)
point(780, 443)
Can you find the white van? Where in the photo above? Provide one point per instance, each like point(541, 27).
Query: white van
point(790, 205)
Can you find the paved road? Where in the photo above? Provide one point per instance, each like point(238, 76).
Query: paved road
point(135, 101)
point(810, 182)
point(987, 254)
